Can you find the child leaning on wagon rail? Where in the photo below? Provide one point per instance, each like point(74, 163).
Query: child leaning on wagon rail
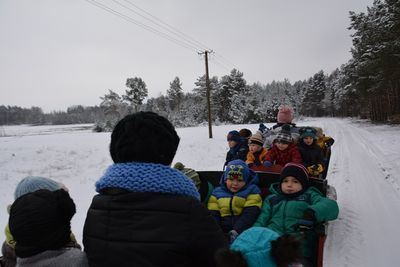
point(256, 154)
point(293, 206)
point(311, 153)
point(283, 151)
point(236, 203)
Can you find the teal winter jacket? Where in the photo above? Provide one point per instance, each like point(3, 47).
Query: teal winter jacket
point(255, 246)
point(282, 213)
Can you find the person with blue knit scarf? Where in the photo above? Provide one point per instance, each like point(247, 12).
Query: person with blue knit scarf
point(147, 213)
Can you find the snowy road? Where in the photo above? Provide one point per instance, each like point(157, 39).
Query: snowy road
point(365, 169)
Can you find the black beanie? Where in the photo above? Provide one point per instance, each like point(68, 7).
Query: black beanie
point(41, 221)
point(144, 137)
point(298, 171)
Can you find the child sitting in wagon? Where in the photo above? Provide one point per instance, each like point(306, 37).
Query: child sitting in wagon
point(237, 147)
point(257, 153)
point(236, 203)
point(323, 141)
point(311, 154)
point(294, 206)
point(283, 151)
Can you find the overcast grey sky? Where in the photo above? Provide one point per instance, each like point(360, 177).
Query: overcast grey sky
point(58, 53)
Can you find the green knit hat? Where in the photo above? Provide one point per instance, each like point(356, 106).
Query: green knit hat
point(192, 174)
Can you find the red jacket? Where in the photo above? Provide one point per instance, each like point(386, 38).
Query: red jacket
point(281, 157)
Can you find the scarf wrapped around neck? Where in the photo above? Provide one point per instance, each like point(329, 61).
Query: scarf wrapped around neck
point(147, 177)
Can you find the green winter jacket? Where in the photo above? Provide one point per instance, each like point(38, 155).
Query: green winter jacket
point(281, 213)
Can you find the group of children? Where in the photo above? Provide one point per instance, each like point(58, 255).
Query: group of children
point(291, 207)
point(304, 145)
point(252, 225)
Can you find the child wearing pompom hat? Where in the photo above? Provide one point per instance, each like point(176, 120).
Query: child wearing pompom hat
point(283, 151)
point(284, 117)
point(293, 205)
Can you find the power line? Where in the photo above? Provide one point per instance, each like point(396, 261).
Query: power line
point(179, 37)
point(142, 25)
point(164, 25)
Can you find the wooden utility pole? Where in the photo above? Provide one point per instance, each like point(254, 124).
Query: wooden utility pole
point(208, 94)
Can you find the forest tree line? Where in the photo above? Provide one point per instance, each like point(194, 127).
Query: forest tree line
point(367, 86)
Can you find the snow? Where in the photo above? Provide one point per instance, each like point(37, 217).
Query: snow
point(364, 169)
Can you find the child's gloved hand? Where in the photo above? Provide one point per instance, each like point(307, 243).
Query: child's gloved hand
point(262, 127)
point(329, 142)
point(315, 170)
point(232, 235)
point(308, 220)
point(267, 163)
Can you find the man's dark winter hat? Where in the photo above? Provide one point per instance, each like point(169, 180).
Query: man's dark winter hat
point(284, 136)
point(298, 171)
point(41, 221)
point(308, 132)
point(144, 137)
point(233, 136)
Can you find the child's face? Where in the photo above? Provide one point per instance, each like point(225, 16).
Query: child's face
point(291, 185)
point(281, 146)
point(232, 144)
point(234, 184)
point(308, 140)
point(254, 148)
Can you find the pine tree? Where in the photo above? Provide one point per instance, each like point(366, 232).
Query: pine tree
point(175, 93)
point(136, 93)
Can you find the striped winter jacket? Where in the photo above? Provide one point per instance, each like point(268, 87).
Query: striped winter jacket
point(236, 211)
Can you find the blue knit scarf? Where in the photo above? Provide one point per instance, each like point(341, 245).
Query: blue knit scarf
point(147, 177)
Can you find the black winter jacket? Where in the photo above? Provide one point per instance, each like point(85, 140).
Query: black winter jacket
point(310, 155)
point(150, 229)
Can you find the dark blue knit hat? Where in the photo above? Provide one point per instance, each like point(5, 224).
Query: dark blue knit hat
point(233, 136)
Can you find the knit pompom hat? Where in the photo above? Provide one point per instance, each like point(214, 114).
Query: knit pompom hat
point(41, 221)
point(233, 136)
point(33, 183)
point(256, 139)
point(144, 137)
point(284, 136)
point(298, 171)
point(285, 115)
point(190, 173)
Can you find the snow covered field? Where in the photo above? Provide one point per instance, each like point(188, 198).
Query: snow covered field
point(365, 169)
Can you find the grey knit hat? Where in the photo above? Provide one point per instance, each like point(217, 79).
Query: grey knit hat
point(33, 183)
